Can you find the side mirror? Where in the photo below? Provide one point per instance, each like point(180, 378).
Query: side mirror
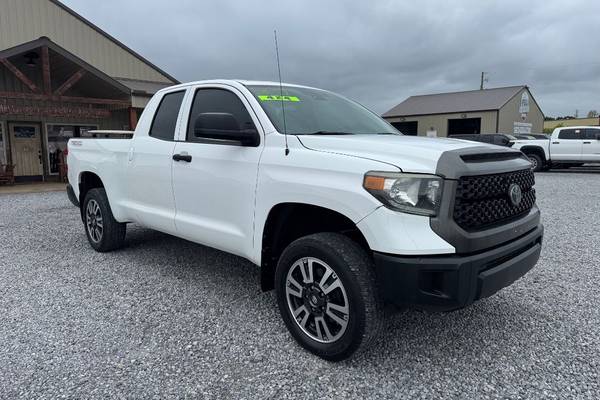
point(224, 126)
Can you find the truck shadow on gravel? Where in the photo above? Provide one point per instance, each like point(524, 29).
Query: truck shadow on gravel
point(488, 329)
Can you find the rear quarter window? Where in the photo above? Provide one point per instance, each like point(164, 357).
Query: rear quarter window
point(165, 118)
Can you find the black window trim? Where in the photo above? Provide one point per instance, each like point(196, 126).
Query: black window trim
point(221, 142)
point(184, 90)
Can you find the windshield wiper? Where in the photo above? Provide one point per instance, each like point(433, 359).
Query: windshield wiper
point(326, 133)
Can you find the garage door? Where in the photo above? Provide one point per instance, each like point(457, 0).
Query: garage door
point(407, 127)
point(464, 126)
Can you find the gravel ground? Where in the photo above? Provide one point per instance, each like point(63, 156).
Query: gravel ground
point(168, 318)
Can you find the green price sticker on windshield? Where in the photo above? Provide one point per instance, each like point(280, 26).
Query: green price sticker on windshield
point(278, 98)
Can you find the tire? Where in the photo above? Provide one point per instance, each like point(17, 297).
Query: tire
point(536, 161)
point(354, 300)
point(104, 233)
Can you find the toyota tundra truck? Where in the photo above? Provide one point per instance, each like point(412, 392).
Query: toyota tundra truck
point(341, 212)
point(570, 146)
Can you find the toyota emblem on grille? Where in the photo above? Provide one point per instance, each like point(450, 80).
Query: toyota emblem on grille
point(515, 194)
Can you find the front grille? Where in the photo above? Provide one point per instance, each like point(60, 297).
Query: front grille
point(483, 201)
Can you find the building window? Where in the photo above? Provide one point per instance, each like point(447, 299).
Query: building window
point(3, 145)
point(58, 136)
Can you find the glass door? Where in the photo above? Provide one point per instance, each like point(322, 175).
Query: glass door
point(26, 146)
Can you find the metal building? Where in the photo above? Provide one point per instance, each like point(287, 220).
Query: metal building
point(499, 110)
point(60, 77)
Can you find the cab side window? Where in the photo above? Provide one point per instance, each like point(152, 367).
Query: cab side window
point(219, 102)
point(165, 118)
point(571, 134)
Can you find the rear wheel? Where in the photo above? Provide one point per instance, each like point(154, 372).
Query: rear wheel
point(327, 295)
point(536, 162)
point(104, 233)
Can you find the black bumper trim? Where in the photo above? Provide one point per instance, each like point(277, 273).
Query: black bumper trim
point(445, 283)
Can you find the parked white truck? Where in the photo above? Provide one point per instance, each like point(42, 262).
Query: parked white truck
point(342, 213)
point(568, 146)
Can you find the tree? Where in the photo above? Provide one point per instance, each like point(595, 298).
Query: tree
point(592, 114)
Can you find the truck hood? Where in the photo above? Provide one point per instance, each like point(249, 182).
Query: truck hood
point(409, 153)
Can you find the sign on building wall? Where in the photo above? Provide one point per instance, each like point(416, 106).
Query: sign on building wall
point(431, 132)
point(54, 111)
point(522, 127)
point(524, 106)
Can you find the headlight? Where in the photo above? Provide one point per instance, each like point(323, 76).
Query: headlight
point(410, 193)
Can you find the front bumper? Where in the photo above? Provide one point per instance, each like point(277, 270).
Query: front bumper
point(449, 282)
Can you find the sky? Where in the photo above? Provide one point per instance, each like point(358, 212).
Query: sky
point(377, 52)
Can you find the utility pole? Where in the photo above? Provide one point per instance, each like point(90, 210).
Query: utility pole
point(483, 79)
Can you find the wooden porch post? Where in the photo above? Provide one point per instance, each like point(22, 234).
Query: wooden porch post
point(133, 119)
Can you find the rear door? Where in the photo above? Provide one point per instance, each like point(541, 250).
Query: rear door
point(591, 145)
point(214, 181)
point(150, 163)
point(568, 145)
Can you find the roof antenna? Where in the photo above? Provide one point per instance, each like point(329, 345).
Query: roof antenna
point(287, 149)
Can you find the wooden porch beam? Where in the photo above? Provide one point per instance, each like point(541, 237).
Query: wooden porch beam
point(20, 76)
point(64, 99)
point(73, 79)
point(46, 70)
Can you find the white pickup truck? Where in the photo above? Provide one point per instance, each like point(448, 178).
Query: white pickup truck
point(568, 146)
point(341, 211)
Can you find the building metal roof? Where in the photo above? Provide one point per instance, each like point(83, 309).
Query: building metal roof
point(141, 87)
point(455, 102)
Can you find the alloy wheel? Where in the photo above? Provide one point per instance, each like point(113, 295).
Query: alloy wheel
point(534, 162)
point(317, 300)
point(93, 221)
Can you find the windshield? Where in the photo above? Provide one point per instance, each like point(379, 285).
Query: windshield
point(315, 111)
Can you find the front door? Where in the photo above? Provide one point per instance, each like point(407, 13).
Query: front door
point(215, 185)
point(26, 144)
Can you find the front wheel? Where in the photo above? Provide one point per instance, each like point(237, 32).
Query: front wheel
point(536, 162)
point(327, 295)
point(104, 233)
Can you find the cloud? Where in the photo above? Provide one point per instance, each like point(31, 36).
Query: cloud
point(377, 52)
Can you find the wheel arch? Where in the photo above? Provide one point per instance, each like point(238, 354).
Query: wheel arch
point(287, 222)
point(534, 150)
point(87, 181)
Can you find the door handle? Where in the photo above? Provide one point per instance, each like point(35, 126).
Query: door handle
point(555, 142)
point(587, 142)
point(182, 157)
